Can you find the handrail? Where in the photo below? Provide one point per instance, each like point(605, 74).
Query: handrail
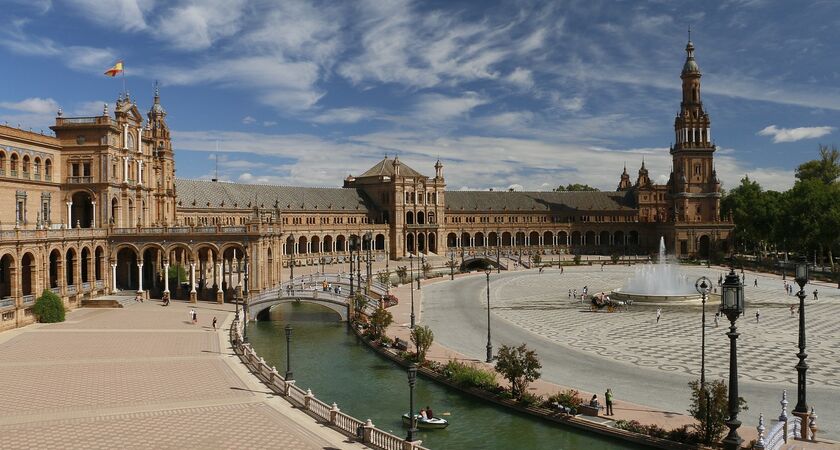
point(354, 428)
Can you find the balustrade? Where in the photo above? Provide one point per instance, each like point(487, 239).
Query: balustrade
point(6, 302)
point(28, 299)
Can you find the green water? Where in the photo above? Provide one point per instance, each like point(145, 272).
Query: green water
point(329, 359)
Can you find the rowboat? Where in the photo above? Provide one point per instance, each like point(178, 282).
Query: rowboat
point(426, 424)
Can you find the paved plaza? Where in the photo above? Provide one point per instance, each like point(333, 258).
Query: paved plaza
point(142, 377)
point(649, 363)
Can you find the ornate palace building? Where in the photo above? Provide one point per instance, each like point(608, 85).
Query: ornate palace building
point(97, 209)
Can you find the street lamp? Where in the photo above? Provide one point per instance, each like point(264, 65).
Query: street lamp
point(801, 408)
point(412, 381)
point(411, 282)
point(291, 242)
point(452, 265)
point(703, 285)
point(487, 272)
point(352, 246)
point(289, 376)
point(732, 306)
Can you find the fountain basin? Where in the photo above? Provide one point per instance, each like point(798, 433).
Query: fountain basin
point(661, 300)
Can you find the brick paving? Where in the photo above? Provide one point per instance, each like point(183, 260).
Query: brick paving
point(142, 377)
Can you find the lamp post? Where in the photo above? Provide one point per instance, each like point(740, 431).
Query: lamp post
point(412, 381)
point(703, 285)
point(352, 245)
point(801, 408)
point(289, 376)
point(245, 296)
point(452, 265)
point(291, 242)
point(498, 251)
point(411, 281)
point(369, 237)
point(732, 306)
point(487, 272)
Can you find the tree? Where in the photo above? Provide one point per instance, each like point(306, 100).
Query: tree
point(402, 273)
point(360, 302)
point(826, 169)
point(380, 320)
point(178, 272)
point(422, 338)
point(575, 187)
point(519, 366)
point(710, 408)
point(48, 308)
point(384, 277)
point(537, 258)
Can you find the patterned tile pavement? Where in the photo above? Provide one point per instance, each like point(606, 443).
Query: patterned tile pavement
point(766, 350)
point(141, 377)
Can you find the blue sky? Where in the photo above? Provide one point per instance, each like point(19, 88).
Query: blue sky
point(523, 94)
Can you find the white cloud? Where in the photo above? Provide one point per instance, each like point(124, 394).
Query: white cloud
point(126, 15)
point(247, 120)
point(794, 134)
point(438, 107)
point(197, 24)
point(521, 77)
point(511, 120)
point(77, 57)
point(269, 123)
point(344, 115)
point(33, 105)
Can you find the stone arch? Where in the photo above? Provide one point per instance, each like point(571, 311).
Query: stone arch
point(589, 238)
point(633, 237)
point(479, 239)
point(127, 258)
point(81, 212)
point(451, 240)
point(430, 217)
point(432, 244)
point(36, 168)
point(507, 238)
point(302, 245)
point(409, 243)
point(704, 246)
point(115, 212)
point(520, 238)
point(534, 238)
point(465, 239)
point(492, 239)
point(577, 238)
point(2, 162)
point(548, 239)
point(26, 166)
point(562, 238)
point(341, 243)
point(70, 264)
point(618, 238)
point(48, 169)
point(84, 263)
point(328, 244)
point(421, 242)
point(605, 238)
point(7, 279)
point(421, 218)
point(315, 244)
point(409, 218)
point(55, 265)
point(27, 272)
point(14, 160)
point(98, 263)
point(379, 242)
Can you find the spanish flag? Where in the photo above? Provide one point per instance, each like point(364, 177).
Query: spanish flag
point(116, 70)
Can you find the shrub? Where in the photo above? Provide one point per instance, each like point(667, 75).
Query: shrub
point(422, 338)
point(470, 376)
point(49, 308)
point(536, 258)
point(530, 399)
point(711, 409)
point(576, 259)
point(615, 257)
point(569, 398)
point(519, 366)
point(380, 320)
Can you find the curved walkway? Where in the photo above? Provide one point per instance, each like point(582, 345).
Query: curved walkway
point(142, 377)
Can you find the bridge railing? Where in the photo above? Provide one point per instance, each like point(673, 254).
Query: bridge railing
point(342, 279)
point(317, 294)
point(364, 432)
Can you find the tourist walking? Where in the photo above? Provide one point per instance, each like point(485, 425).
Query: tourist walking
point(608, 398)
point(570, 294)
point(815, 295)
point(658, 314)
point(194, 317)
point(756, 282)
point(792, 310)
point(138, 297)
point(717, 317)
point(757, 315)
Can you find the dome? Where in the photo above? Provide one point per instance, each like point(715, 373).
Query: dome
point(690, 66)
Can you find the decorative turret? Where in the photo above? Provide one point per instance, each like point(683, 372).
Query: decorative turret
point(691, 126)
point(438, 169)
point(643, 180)
point(624, 184)
point(396, 166)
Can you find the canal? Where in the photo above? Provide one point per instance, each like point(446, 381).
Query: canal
point(329, 359)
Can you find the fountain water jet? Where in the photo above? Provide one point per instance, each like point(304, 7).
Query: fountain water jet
point(658, 283)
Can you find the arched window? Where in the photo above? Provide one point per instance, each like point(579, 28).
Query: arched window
point(37, 169)
point(26, 166)
point(48, 170)
point(2, 163)
point(13, 165)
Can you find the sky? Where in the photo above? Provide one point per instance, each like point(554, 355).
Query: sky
point(529, 95)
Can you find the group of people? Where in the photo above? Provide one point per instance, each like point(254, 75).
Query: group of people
point(427, 413)
point(608, 400)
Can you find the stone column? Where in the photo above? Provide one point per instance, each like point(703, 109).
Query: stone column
point(93, 220)
point(139, 172)
point(113, 277)
point(125, 170)
point(220, 294)
point(166, 277)
point(238, 274)
point(69, 214)
point(193, 295)
point(140, 277)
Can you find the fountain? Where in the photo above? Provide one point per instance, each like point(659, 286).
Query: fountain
point(660, 283)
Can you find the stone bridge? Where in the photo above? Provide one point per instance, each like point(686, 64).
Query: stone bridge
point(309, 289)
point(482, 261)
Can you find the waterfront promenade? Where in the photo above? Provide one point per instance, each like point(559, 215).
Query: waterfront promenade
point(142, 377)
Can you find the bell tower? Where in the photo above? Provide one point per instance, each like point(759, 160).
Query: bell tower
point(163, 161)
point(694, 189)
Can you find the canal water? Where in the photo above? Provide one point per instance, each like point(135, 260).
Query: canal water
point(329, 359)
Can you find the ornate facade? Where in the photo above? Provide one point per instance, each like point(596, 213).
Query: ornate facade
point(97, 209)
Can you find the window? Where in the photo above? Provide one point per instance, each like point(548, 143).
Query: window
point(698, 169)
point(45, 207)
point(20, 207)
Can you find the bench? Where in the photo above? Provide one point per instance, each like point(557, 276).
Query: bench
point(587, 410)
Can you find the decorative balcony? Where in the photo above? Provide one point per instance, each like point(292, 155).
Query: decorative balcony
point(29, 299)
point(5, 302)
point(75, 121)
point(79, 180)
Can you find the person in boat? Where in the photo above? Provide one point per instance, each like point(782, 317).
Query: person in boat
point(423, 415)
point(429, 413)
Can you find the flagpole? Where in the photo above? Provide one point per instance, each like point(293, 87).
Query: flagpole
point(123, 77)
